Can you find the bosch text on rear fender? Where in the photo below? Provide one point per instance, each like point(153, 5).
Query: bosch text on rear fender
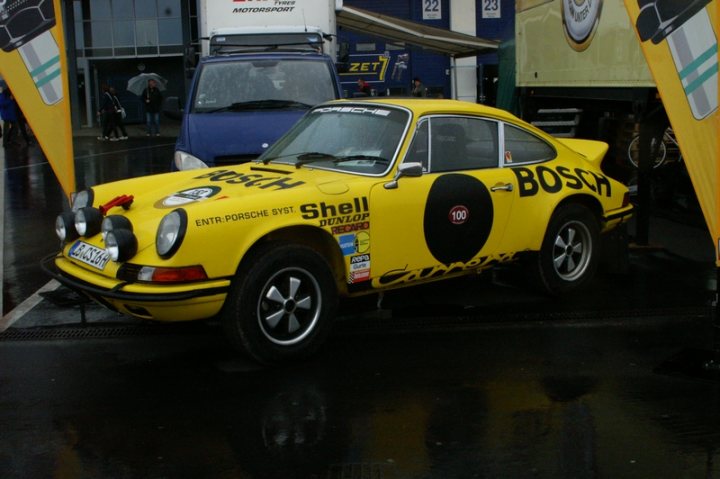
point(552, 180)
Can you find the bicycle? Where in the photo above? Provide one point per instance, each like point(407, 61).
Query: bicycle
point(668, 145)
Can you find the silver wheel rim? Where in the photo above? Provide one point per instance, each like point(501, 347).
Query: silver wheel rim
point(289, 306)
point(572, 250)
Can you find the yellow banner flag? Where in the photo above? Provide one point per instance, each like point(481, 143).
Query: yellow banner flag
point(33, 64)
point(679, 41)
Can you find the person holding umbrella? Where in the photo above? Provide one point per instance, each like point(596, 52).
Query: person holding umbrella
point(106, 114)
point(152, 98)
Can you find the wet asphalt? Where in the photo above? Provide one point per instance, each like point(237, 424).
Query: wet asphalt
point(476, 377)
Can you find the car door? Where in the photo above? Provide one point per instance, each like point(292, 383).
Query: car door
point(454, 215)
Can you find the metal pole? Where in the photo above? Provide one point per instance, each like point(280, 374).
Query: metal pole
point(713, 364)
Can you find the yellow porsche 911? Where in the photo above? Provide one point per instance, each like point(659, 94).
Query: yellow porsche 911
point(359, 197)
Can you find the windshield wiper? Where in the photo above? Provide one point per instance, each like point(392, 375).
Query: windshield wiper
point(306, 158)
point(360, 157)
point(260, 105)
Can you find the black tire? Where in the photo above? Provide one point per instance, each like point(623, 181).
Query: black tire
point(569, 255)
point(281, 304)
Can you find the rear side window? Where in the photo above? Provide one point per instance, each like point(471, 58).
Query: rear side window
point(524, 147)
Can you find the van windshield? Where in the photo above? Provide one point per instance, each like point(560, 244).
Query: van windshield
point(263, 84)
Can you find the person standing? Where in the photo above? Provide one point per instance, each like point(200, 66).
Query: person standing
point(418, 88)
point(119, 113)
point(8, 113)
point(363, 87)
point(106, 112)
point(153, 102)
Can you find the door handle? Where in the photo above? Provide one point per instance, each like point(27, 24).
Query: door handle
point(505, 187)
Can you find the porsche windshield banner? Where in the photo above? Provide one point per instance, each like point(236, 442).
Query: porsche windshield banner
point(679, 41)
point(34, 66)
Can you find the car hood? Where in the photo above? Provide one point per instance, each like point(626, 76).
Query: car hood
point(237, 185)
point(236, 134)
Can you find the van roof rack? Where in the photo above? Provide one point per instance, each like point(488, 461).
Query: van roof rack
point(228, 43)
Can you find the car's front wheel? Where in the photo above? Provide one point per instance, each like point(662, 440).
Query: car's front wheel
point(282, 303)
point(568, 257)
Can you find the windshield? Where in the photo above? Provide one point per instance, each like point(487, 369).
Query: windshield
point(241, 85)
point(351, 138)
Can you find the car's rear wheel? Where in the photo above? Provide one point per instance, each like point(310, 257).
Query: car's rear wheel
point(281, 304)
point(569, 254)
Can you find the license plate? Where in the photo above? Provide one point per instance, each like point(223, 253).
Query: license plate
point(89, 254)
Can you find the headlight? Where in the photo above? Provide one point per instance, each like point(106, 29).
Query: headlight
point(88, 221)
point(120, 244)
point(114, 222)
point(65, 226)
point(170, 233)
point(81, 199)
point(185, 161)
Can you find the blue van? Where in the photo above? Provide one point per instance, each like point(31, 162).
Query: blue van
point(247, 93)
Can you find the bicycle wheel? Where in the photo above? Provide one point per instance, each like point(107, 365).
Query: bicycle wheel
point(633, 152)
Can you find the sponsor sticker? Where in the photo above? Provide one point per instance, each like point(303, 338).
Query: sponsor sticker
point(359, 276)
point(347, 244)
point(188, 196)
point(360, 262)
point(362, 242)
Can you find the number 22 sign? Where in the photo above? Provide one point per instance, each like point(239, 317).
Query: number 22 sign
point(432, 10)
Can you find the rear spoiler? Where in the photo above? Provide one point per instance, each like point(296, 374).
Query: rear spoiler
point(594, 151)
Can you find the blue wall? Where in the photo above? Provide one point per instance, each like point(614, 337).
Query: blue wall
point(431, 68)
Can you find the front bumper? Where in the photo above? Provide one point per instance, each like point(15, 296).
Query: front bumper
point(166, 302)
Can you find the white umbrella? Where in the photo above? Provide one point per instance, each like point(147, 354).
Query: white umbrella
point(139, 83)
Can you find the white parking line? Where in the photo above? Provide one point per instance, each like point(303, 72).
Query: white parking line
point(26, 305)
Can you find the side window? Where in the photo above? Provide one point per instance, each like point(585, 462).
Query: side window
point(462, 143)
point(524, 147)
point(448, 144)
point(482, 147)
point(418, 151)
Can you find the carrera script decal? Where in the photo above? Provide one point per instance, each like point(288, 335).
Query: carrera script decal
point(251, 180)
point(188, 196)
point(403, 276)
point(552, 180)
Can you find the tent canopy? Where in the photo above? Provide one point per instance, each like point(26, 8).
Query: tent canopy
point(438, 40)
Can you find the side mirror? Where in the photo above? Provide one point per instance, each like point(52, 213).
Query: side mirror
point(190, 61)
point(172, 108)
point(411, 169)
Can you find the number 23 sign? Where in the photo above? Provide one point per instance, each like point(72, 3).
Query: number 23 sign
point(491, 8)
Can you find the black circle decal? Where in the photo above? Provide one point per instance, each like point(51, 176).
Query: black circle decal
point(458, 218)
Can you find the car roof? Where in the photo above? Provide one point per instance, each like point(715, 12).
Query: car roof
point(424, 106)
